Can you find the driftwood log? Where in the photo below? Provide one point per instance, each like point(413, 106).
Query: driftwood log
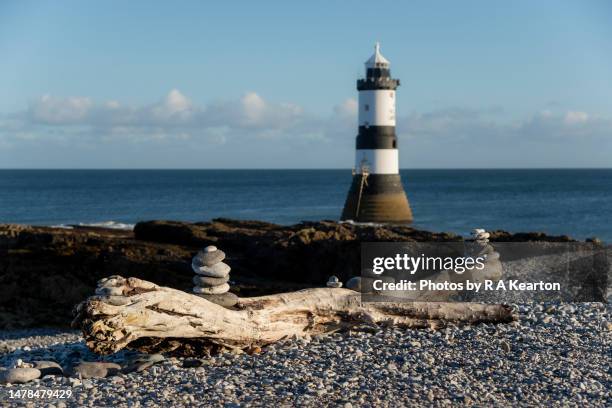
point(138, 314)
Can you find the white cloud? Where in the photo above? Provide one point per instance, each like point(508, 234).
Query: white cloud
point(435, 139)
point(348, 108)
point(51, 110)
point(175, 105)
point(576, 117)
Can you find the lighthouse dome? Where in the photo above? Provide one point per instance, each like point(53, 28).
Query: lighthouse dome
point(377, 60)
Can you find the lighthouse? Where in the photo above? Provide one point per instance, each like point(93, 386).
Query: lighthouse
point(376, 193)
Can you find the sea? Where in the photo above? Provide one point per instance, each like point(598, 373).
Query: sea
point(573, 202)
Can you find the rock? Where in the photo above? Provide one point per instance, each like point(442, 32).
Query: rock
point(334, 282)
point(19, 375)
point(143, 362)
point(227, 299)
point(354, 283)
point(204, 258)
point(202, 280)
point(211, 290)
point(192, 363)
point(220, 270)
point(210, 248)
point(48, 368)
point(94, 369)
point(505, 346)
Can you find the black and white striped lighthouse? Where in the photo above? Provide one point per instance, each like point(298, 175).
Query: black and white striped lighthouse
point(376, 193)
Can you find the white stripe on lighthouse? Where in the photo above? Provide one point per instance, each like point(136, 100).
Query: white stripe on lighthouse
point(377, 108)
point(377, 161)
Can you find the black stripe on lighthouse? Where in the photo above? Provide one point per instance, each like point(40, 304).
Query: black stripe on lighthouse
point(376, 137)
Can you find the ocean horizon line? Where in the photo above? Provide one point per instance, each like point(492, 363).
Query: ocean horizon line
point(292, 169)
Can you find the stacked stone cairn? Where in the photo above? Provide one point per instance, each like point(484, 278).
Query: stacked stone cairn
point(334, 282)
point(212, 277)
point(479, 245)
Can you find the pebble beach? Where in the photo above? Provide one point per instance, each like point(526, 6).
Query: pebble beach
point(554, 354)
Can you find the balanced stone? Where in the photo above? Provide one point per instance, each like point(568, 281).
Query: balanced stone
point(19, 375)
point(219, 270)
point(484, 236)
point(204, 258)
point(202, 280)
point(334, 282)
point(227, 299)
point(48, 368)
point(212, 290)
point(480, 234)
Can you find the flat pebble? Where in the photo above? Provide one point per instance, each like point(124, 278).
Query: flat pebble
point(227, 299)
point(201, 280)
point(94, 369)
point(142, 362)
point(205, 258)
point(211, 290)
point(48, 368)
point(220, 270)
point(19, 375)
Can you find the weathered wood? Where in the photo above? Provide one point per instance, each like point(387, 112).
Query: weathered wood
point(136, 313)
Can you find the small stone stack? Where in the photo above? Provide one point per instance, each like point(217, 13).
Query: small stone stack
point(334, 282)
point(479, 246)
point(212, 277)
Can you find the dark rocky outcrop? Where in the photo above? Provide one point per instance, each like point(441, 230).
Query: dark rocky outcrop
point(45, 271)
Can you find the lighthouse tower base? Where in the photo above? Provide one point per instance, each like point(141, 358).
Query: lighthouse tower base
point(377, 198)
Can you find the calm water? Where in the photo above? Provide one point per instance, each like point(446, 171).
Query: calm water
point(572, 202)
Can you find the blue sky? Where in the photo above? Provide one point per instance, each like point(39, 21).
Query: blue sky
point(272, 84)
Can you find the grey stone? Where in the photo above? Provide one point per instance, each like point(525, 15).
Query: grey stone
point(19, 375)
point(48, 368)
point(212, 290)
point(220, 270)
point(94, 369)
point(201, 280)
point(354, 283)
point(227, 299)
point(142, 362)
point(204, 258)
